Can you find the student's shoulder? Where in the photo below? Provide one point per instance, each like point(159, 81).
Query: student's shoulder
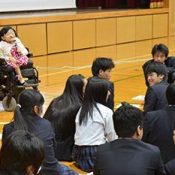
point(104, 109)
point(150, 149)
point(147, 63)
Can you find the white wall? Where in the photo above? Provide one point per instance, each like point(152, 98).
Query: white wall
point(20, 5)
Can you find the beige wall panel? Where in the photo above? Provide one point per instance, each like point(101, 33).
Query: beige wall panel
point(160, 40)
point(59, 37)
point(59, 67)
point(83, 34)
point(34, 37)
point(83, 57)
point(172, 17)
point(172, 45)
point(143, 48)
point(125, 29)
point(160, 25)
point(143, 27)
point(125, 51)
point(41, 64)
point(109, 52)
point(106, 31)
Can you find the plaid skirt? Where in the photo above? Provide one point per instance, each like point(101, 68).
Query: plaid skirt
point(84, 157)
point(21, 60)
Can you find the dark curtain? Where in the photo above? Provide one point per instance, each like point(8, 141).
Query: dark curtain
point(113, 3)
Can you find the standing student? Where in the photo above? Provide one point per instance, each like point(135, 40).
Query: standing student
point(155, 97)
point(14, 52)
point(62, 112)
point(21, 154)
point(94, 124)
point(27, 116)
point(101, 68)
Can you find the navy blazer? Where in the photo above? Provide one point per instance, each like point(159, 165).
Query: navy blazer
point(155, 97)
point(42, 129)
point(128, 157)
point(158, 130)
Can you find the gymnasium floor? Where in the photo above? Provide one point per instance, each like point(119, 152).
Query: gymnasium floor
point(127, 77)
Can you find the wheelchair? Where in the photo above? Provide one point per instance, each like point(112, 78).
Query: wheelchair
point(9, 87)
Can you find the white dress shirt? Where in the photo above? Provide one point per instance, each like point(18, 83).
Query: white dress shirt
point(97, 130)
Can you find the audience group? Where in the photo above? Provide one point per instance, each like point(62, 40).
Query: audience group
point(81, 125)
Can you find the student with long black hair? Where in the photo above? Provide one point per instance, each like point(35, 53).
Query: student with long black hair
point(27, 116)
point(94, 123)
point(62, 112)
point(21, 154)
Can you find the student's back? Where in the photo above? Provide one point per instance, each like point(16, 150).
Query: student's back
point(128, 157)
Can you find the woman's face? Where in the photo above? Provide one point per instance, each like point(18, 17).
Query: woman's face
point(9, 37)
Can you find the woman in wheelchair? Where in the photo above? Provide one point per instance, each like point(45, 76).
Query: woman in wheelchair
point(13, 51)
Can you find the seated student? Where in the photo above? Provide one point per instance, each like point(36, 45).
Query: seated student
point(21, 154)
point(14, 52)
point(62, 112)
point(27, 116)
point(94, 124)
point(160, 54)
point(128, 155)
point(159, 126)
point(101, 68)
point(155, 95)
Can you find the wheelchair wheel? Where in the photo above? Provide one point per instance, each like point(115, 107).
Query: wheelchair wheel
point(9, 105)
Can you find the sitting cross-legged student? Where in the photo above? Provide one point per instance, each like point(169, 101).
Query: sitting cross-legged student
point(94, 123)
point(101, 68)
point(155, 97)
point(62, 112)
point(21, 154)
point(160, 54)
point(159, 126)
point(128, 155)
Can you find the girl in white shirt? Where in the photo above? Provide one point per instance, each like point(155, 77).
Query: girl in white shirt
point(94, 124)
point(13, 51)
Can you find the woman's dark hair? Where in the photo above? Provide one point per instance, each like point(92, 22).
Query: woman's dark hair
point(160, 48)
point(103, 64)
point(170, 94)
point(63, 109)
point(96, 92)
point(23, 115)
point(126, 120)
point(20, 150)
point(158, 68)
point(4, 30)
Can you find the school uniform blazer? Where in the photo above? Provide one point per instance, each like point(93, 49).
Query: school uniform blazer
point(155, 97)
point(128, 157)
point(43, 130)
point(158, 130)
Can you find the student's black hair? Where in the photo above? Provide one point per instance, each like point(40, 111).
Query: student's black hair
point(126, 120)
point(95, 92)
point(170, 94)
point(101, 63)
point(64, 108)
point(158, 68)
point(20, 150)
point(4, 30)
point(161, 48)
point(24, 112)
